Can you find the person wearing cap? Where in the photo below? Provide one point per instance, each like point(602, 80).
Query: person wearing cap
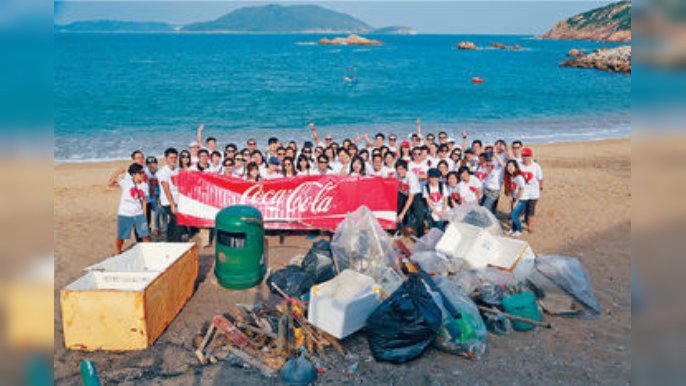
point(132, 204)
point(469, 187)
point(436, 196)
point(470, 160)
point(411, 210)
point(193, 148)
point(533, 176)
point(154, 213)
point(272, 171)
point(405, 151)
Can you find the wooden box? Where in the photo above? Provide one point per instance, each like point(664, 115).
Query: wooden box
point(127, 301)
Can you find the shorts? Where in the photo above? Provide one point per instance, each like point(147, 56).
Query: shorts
point(530, 209)
point(126, 223)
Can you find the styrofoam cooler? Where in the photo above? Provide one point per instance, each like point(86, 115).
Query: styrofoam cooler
point(481, 249)
point(342, 305)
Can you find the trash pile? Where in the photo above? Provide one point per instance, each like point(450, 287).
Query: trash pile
point(449, 292)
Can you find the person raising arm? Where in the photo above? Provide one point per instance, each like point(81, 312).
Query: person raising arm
point(314, 134)
point(132, 205)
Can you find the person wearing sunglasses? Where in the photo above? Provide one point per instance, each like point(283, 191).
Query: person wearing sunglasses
point(239, 166)
point(392, 143)
point(516, 155)
point(251, 144)
point(323, 168)
point(442, 138)
point(288, 167)
point(185, 160)
point(444, 155)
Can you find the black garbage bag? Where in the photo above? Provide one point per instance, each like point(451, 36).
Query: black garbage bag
point(319, 262)
point(405, 324)
point(292, 280)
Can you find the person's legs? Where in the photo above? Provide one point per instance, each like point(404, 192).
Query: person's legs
point(531, 214)
point(173, 234)
point(148, 215)
point(516, 214)
point(402, 200)
point(161, 219)
point(141, 225)
point(490, 200)
point(124, 225)
point(419, 212)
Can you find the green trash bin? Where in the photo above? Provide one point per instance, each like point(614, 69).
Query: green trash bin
point(240, 258)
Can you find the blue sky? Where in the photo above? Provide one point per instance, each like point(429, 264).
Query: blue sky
point(448, 17)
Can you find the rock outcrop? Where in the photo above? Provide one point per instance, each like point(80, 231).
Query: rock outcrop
point(502, 46)
point(606, 59)
point(573, 52)
point(466, 46)
point(350, 40)
point(611, 23)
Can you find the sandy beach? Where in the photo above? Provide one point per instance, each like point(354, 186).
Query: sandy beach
point(584, 211)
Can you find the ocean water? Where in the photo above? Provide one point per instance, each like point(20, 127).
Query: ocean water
point(118, 92)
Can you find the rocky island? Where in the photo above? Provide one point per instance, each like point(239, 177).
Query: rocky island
point(350, 40)
point(611, 23)
point(606, 59)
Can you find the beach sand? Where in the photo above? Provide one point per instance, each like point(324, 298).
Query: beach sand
point(584, 211)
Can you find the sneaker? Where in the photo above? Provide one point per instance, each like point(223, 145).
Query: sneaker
point(509, 232)
point(516, 234)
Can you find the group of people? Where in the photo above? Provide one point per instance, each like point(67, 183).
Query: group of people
point(434, 172)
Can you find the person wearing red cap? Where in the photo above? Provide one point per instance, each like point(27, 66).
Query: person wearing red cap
point(533, 176)
point(405, 149)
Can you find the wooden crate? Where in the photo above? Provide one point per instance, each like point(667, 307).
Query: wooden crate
point(127, 301)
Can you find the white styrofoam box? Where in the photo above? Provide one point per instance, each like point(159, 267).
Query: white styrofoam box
point(515, 255)
point(342, 305)
point(144, 257)
point(122, 281)
point(480, 249)
point(468, 242)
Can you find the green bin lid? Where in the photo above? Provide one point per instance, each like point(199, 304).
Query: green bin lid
point(238, 213)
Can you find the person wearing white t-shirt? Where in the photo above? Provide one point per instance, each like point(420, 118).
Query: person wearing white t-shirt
point(491, 176)
point(516, 155)
point(169, 194)
point(323, 168)
point(378, 168)
point(452, 181)
point(132, 205)
point(411, 209)
point(272, 171)
point(533, 176)
point(418, 166)
point(469, 188)
point(514, 187)
point(436, 196)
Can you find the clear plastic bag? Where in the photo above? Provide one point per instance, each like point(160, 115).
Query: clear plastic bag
point(475, 215)
point(473, 333)
point(432, 262)
point(568, 273)
point(467, 281)
point(428, 241)
point(361, 244)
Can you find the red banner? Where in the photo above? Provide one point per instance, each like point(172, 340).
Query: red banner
point(308, 202)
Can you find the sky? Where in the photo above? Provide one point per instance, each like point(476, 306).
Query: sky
point(438, 17)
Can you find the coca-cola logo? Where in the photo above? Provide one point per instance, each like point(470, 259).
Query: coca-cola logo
point(308, 197)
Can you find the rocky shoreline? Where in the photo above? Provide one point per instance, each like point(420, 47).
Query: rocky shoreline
point(606, 59)
point(350, 40)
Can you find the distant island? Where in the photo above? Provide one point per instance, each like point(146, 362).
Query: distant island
point(114, 26)
point(611, 23)
point(255, 19)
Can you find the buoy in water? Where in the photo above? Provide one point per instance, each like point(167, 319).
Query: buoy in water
point(477, 80)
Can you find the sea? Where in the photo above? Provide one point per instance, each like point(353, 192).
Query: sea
point(117, 92)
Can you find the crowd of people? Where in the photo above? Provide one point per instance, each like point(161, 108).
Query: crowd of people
point(434, 172)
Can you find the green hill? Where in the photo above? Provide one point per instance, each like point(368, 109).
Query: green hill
point(611, 23)
point(277, 18)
